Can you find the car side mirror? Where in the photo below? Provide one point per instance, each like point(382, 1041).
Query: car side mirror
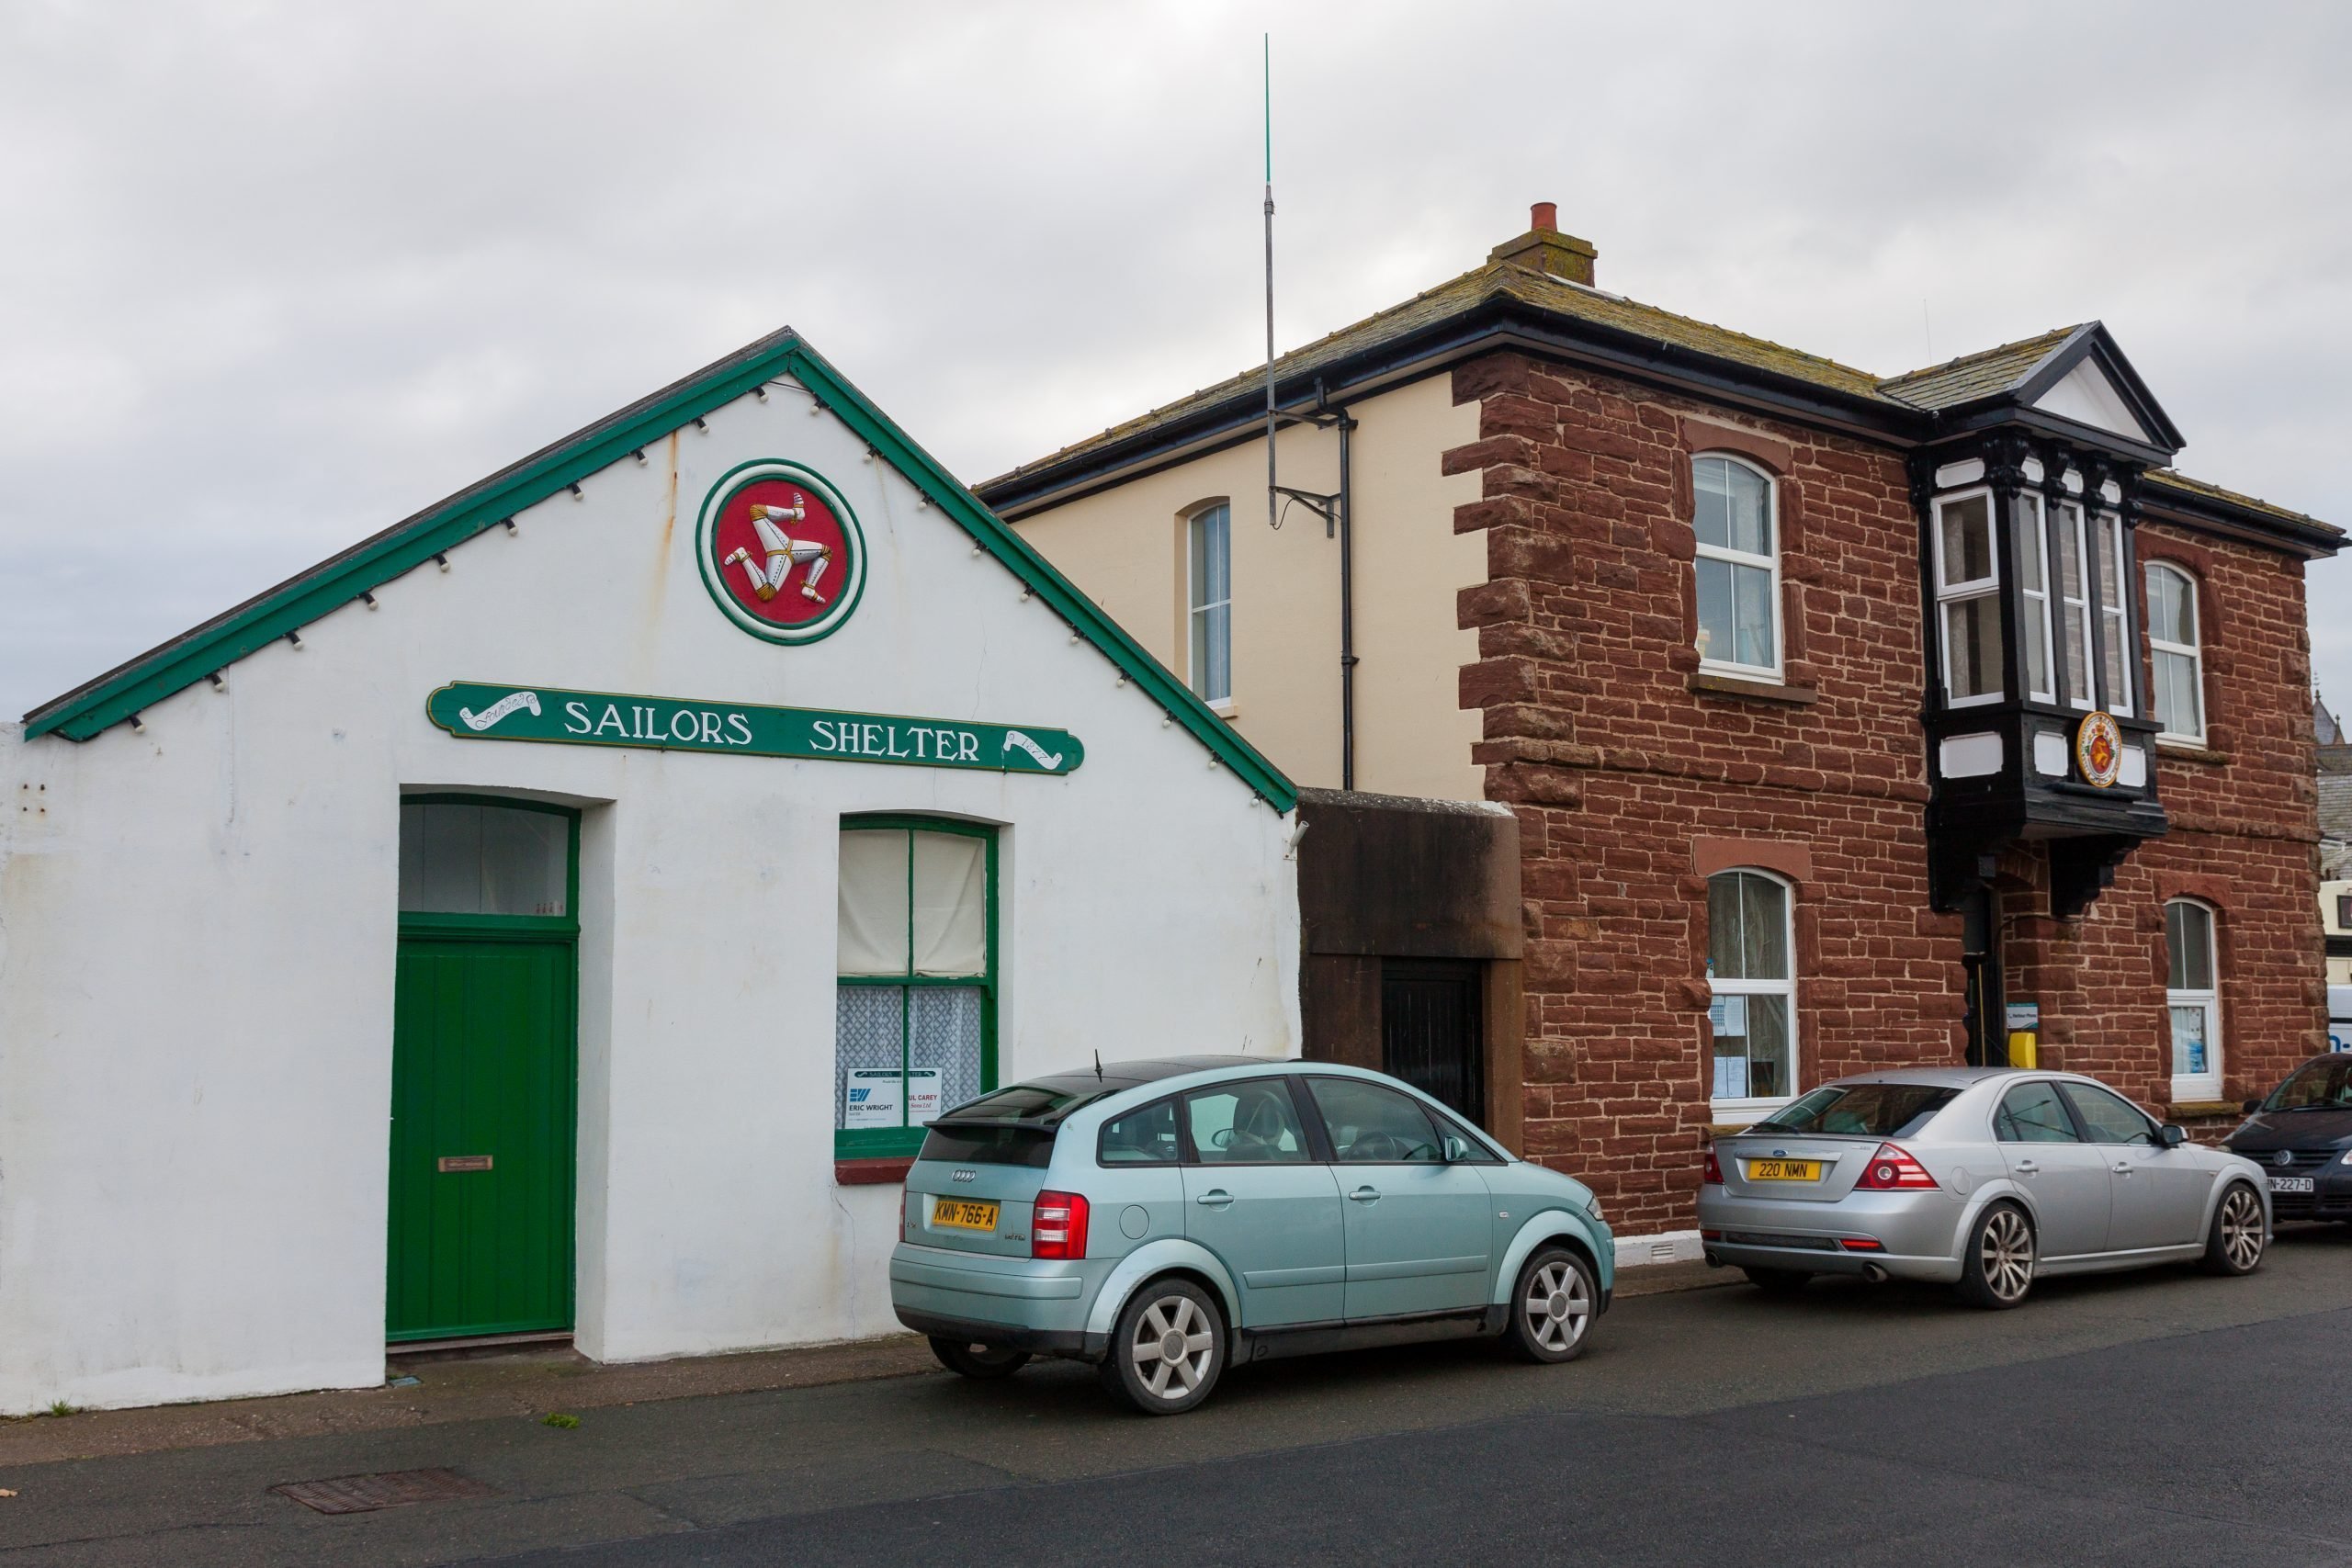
point(2252, 1106)
point(1453, 1148)
point(2172, 1134)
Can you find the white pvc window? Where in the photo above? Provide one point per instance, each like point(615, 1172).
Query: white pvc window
point(1751, 966)
point(2193, 998)
point(1739, 567)
point(2177, 654)
point(2032, 555)
point(2115, 615)
point(1210, 549)
point(1968, 600)
point(2073, 607)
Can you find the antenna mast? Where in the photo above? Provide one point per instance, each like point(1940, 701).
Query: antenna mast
point(1272, 498)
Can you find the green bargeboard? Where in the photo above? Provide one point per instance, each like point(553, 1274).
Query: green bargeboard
point(483, 1064)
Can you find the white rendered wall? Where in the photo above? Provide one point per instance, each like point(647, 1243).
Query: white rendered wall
point(197, 935)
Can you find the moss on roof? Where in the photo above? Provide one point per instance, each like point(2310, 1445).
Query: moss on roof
point(2173, 479)
point(1975, 375)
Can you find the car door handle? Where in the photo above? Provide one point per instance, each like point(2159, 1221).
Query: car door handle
point(2122, 1167)
point(1215, 1198)
point(2025, 1167)
point(1364, 1195)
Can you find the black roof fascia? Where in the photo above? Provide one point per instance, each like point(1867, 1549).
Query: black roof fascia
point(1490, 323)
point(2253, 526)
point(1968, 418)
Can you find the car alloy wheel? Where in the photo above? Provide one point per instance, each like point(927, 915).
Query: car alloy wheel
point(1167, 1349)
point(2236, 1243)
point(1551, 1310)
point(2004, 1253)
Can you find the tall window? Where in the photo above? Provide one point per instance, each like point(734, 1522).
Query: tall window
point(2193, 996)
point(1739, 567)
point(1968, 600)
point(2073, 607)
point(2032, 555)
point(2115, 615)
point(1751, 964)
point(914, 1020)
point(2180, 656)
point(1211, 540)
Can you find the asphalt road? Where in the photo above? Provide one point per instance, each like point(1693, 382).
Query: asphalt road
point(2141, 1419)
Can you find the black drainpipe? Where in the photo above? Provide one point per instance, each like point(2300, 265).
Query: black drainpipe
point(1347, 611)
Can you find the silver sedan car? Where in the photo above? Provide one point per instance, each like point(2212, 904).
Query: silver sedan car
point(1982, 1178)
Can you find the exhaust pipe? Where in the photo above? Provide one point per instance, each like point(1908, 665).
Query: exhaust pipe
point(1714, 1260)
point(1874, 1274)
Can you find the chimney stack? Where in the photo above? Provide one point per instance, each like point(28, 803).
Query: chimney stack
point(1544, 249)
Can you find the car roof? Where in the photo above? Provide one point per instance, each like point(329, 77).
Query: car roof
point(1941, 1077)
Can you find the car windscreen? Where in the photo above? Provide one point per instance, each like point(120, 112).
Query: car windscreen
point(2323, 1085)
point(988, 1142)
point(1860, 1111)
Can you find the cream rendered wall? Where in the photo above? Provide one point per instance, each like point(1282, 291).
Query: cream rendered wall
point(1125, 547)
point(198, 937)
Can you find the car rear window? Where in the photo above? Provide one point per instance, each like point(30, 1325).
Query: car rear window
point(988, 1142)
point(1040, 1100)
point(1862, 1111)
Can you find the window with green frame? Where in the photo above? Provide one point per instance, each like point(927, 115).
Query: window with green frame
point(914, 1017)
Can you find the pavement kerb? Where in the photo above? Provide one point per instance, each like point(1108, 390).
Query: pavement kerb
point(533, 1383)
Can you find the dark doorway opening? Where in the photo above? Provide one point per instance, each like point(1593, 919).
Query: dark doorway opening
point(1431, 1029)
point(1985, 1023)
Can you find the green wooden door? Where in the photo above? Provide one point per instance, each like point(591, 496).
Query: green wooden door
point(482, 1127)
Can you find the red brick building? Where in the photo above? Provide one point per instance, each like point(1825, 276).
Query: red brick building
point(1847, 721)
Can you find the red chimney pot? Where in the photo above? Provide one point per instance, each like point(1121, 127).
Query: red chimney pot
point(1544, 215)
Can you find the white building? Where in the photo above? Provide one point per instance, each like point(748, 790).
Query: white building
point(370, 964)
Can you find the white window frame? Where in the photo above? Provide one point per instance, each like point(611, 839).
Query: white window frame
point(2190, 1088)
point(1755, 1108)
point(2071, 512)
point(2193, 650)
point(1951, 592)
point(1195, 609)
point(2037, 601)
point(1770, 565)
point(2117, 617)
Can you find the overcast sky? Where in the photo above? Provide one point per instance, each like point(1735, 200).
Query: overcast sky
point(273, 276)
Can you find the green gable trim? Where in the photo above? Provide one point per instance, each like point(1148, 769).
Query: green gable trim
point(415, 541)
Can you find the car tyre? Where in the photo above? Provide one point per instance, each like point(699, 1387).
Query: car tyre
point(1166, 1350)
point(2234, 1243)
point(983, 1362)
point(1997, 1267)
point(1778, 1281)
point(1551, 1307)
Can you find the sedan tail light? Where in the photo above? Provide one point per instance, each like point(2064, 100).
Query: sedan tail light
point(1058, 1226)
point(1893, 1169)
point(1713, 1174)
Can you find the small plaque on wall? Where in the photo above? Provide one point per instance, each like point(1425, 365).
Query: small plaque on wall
point(448, 1163)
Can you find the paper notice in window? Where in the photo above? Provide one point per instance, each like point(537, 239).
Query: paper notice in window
point(882, 1097)
point(1729, 1015)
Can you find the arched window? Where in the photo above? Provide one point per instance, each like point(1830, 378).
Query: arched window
point(1751, 965)
point(1738, 527)
point(2193, 996)
point(1209, 548)
point(2179, 651)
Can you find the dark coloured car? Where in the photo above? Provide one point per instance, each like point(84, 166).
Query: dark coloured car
point(2301, 1135)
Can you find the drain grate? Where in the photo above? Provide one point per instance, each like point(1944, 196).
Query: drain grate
point(391, 1489)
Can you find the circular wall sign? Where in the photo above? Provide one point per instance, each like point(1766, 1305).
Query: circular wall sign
point(780, 551)
point(2098, 749)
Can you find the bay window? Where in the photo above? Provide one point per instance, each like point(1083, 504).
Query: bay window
point(2074, 608)
point(1739, 567)
point(2115, 615)
point(2031, 552)
point(914, 1023)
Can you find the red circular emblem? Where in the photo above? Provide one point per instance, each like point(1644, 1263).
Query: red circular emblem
point(2098, 749)
point(780, 553)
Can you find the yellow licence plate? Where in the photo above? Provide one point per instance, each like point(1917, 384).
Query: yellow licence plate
point(963, 1214)
point(1784, 1171)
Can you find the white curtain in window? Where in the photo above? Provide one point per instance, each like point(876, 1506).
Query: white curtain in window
point(951, 929)
point(874, 902)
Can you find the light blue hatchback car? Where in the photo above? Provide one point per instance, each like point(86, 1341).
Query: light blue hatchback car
point(1162, 1219)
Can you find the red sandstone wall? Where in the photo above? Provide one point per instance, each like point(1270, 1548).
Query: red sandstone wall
point(1600, 734)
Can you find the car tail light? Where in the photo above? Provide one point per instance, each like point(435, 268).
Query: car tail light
point(1713, 1174)
point(1862, 1244)
point(1711, 1235)
point(1893, 1169)
point(1057, 1225)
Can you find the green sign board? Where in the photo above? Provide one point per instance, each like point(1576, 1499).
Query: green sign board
point(473, 711)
